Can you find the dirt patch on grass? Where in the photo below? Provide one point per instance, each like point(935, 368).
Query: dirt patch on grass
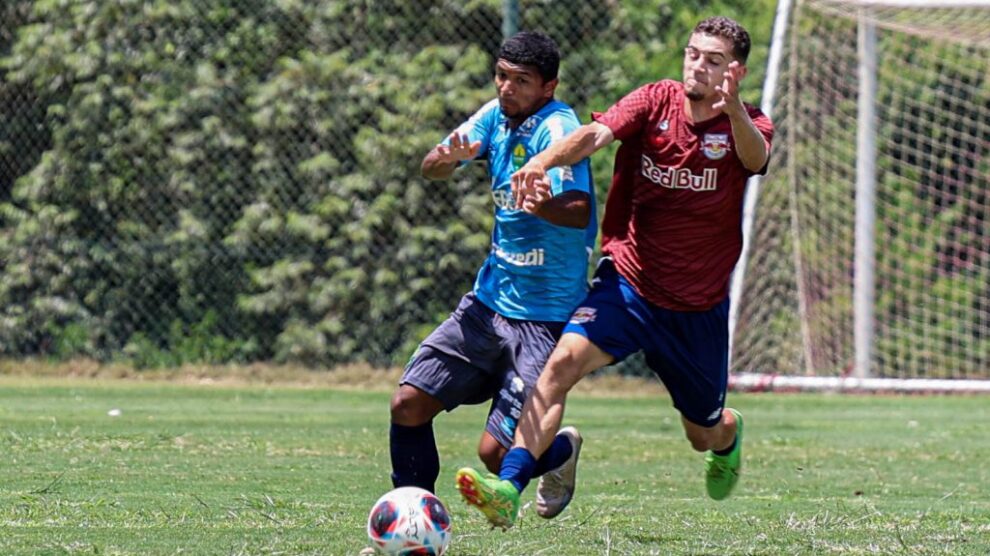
point(358, 377)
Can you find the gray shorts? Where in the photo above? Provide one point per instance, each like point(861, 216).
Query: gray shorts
point(477, 355)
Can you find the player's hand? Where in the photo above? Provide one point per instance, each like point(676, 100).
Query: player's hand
point(728, 90)
point(524, 182)
point(536, 195)
point(460, 148)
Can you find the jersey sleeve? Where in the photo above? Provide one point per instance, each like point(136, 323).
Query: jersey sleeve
point(563, 178)
point(765, 127)
point(628, 116)
point(478, 128)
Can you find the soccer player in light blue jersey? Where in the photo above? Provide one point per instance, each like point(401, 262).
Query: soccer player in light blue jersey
point(494, 345)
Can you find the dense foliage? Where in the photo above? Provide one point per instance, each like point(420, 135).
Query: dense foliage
point(221, 180)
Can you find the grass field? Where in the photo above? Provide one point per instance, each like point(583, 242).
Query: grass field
point(187, 469)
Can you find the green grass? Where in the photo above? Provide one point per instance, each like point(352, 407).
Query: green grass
point(277, 470)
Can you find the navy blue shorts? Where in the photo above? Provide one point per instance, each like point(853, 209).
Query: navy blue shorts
point(478, 355)
point(688, 351)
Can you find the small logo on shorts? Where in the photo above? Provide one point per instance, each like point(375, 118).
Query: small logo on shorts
point(715, 414)
point(517, 385)
point(508, 426)
point(584, 314)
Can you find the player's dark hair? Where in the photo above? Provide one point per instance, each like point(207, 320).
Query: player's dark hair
point(726, 28)
point(532, 48)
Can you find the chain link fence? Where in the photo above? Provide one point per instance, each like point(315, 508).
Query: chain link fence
point(230, 181)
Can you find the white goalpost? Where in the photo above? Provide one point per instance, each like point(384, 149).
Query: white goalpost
point(866, 259)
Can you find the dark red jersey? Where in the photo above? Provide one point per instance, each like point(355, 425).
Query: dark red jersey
point(673, 216)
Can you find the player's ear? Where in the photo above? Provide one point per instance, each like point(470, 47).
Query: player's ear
point(549, 87)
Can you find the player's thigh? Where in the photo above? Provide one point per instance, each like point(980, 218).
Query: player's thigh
point(469, 334)
point(447, 378)
point(458, 361)
point(526, 347)
point(606, 322)
point(574, 357)
point(690, 355)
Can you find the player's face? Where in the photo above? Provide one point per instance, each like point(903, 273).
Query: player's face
point(706, 58)
point(521, 90)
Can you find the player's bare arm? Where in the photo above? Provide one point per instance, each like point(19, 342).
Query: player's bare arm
point(571, 208)
point(577, 146)
point(750, 145)
point(442, 160)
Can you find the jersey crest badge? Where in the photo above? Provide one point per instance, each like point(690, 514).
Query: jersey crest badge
point(715, 145)
point(519, 156)
point(664, 125)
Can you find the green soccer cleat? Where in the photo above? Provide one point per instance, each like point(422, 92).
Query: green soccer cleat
point(497, 499)
point(722, 472)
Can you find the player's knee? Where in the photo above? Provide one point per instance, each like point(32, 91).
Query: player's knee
point(562, 371)
point(412, 407)
point(701, 440)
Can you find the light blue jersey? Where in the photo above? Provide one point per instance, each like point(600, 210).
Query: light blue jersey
point(535, 270)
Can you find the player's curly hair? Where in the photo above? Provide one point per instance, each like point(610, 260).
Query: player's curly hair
point(532, 48)
point(726, 28)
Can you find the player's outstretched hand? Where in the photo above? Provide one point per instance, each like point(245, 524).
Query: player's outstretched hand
point(460, 148)
point(524, 183)
point(728, 91)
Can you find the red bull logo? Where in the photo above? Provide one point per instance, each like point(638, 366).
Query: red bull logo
point(715, 145)
point(679, 178)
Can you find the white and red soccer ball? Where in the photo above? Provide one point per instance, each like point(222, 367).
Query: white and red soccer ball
point(409, 521)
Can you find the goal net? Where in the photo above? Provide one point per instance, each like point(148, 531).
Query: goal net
point(868, 246)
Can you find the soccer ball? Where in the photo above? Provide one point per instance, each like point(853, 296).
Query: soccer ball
point(409, 521)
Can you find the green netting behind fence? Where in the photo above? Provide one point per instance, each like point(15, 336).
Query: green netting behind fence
point(220, 180)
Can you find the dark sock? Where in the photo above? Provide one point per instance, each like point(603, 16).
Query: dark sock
point(518, 467)
point(415, 460)
point(726, 451)
point(555, 456)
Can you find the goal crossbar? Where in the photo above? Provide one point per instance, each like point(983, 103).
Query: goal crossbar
point(754, 382)
point(921, 4)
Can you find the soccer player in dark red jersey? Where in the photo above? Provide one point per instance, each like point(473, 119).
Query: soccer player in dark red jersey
point(671, 236)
